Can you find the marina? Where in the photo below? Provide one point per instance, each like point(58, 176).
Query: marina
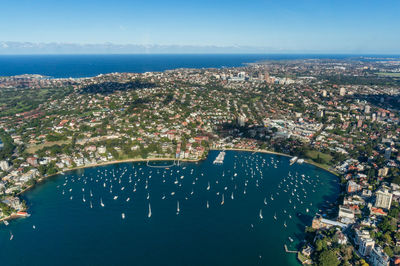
point(126, 207)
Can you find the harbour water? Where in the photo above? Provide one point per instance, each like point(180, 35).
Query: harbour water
point(201, 213)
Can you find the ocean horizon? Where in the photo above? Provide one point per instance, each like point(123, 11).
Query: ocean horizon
point(88, 65)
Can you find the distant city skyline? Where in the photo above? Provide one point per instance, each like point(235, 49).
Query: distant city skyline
point(154, 26)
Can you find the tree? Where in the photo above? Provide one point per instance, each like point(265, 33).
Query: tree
point(388, 251)
point(328, 258)
point(320, 244)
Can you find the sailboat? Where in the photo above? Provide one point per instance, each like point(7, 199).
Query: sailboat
point(101, 202)
point(275, 216)
point(261, 216)
point(149, 215)
point(177, 208)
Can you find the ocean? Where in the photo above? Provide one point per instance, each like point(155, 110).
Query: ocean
point(225, 217)
point(76, 66)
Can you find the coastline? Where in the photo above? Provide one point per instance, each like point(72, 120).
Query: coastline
point(133, 160)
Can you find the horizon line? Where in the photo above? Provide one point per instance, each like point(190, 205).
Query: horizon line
point(217, 53)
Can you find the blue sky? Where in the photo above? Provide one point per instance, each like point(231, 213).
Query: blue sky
point(298, 25)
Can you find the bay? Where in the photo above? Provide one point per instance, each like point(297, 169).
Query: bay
point(229, 232)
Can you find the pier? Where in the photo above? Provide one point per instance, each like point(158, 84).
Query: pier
point(289, 251)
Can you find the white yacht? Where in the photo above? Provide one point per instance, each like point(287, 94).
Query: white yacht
point(149, 215)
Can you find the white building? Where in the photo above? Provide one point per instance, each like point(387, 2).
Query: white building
point(383, 199)
point(101, 150)
point(342, 91)
point(4, 165)
point(242, 120)
point(346, 215)
point(366, 246)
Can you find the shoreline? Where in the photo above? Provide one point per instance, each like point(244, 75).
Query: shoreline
point(286, 155)
point(134, 160)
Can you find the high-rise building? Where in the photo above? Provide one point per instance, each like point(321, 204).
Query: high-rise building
point(342, 91)
point(266, 77)
point(373, 117)
point(388, 153)
point(242, 120)
point(383, 198)
point(366, 246)
point(379, 257)
point(353, 187)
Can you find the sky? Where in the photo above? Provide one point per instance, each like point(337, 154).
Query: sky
point(348, 26)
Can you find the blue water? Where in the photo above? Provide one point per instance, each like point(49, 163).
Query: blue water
point(65, 66)
point(69, 232)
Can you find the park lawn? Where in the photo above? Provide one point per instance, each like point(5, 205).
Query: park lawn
point(324, 156)
point(35, 147)
point(397, 75)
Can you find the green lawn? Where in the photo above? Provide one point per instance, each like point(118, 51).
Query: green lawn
point(32, 148)
point(396, 75)
point(314, 155)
